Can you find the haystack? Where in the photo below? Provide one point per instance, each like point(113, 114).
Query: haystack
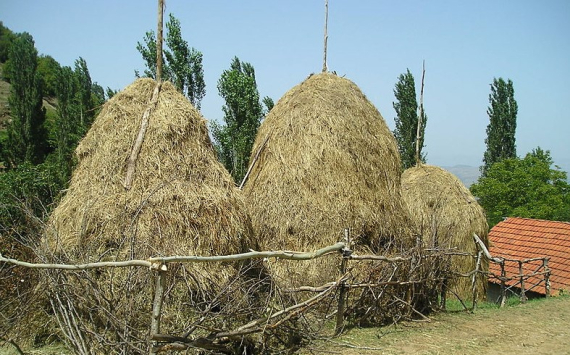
point(327, 161)
point(447, 215)
point(182, 202)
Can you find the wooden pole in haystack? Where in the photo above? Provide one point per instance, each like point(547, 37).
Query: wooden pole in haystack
point(421, 115)
point(132, 161)
point(325, 68)
point(159, 41)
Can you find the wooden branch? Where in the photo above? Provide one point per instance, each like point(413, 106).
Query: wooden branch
point(379, 257)
point(78, 266)
point(253, 163)
point(157, 304)
point(485, 250)
point(289, 255)
point(325, 67)
point(253, 326)
point(158, 263)
point(412, 308)
point(343, 290)
point(159, 41)
point(131, 163)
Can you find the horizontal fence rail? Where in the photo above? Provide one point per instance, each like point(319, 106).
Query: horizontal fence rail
point(158, 265)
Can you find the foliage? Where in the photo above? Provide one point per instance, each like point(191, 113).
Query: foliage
point(84, 93)
point(68, 129)
point(6, 39)
point(527, 187)
point(27, 139)
point(182, 64)
point(502, 113)
point(48, 70)
point(26, 195)
point(268, 103)
point(407, 121)
point(110, 93)
point(242, 115)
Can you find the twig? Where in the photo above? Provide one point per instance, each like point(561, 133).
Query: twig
point(253, 163)
point(412, 308)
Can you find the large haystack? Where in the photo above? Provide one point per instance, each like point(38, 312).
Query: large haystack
point(182, 202)
point(327, 162)
point(447, 215)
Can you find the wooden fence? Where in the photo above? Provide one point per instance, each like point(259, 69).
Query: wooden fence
point(340, 287)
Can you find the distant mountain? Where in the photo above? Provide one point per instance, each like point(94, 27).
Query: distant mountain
point(467, 174)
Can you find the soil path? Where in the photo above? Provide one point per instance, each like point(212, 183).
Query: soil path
point(537, 327)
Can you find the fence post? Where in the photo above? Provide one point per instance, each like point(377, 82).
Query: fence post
point(157, 304)
point(342, 288)
point(474, 280)
point(503, 285)
point(521, 275)
point(546, 276)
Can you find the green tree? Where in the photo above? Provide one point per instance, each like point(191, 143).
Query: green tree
point(48, 70)
point(109, 93)
point(68, 130)
point(242, 115)
point(27, 138)
point(84, 94)
point(407, 121)
point(502, 113)
point(6, 39)
point(182, 65)
point(268, 103)
point(528, 187)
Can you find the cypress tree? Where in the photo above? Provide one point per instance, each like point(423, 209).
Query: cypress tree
point(502, 113)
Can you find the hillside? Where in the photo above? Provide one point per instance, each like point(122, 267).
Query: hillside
point(467, 174)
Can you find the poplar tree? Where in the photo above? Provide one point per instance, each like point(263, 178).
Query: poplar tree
point(406, 120)
point(27, 138)
point(242, 115)
point(502, 113)
point(182, 64)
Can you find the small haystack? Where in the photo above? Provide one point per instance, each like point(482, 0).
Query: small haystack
point(327, 161)
point(447, 215)
point(182, 202)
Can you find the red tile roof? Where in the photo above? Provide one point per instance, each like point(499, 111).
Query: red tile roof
point(523, 238)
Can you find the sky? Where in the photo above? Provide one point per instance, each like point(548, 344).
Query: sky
point(465, 45)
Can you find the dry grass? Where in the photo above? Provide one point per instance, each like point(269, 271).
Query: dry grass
point(182, 202)
point(447, 215)
point(329, 162)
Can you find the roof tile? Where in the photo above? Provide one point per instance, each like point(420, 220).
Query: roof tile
point(524, 238)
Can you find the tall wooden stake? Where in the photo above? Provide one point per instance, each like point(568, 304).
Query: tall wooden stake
point(157, 304)
point(342, 287)
point(325, 68)
point(159, 41)
point(421, 115)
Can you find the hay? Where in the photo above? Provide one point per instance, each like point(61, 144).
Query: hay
point(447, 215)
point(330, 162)
point(182, 202)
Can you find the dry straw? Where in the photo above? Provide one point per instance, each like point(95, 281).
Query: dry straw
point(447, 215)
point(182, 202)
point(327, 161)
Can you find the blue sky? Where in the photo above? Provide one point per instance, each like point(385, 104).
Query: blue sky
point(465, 44)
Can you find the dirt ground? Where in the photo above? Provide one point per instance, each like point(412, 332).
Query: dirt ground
point(537, 327)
